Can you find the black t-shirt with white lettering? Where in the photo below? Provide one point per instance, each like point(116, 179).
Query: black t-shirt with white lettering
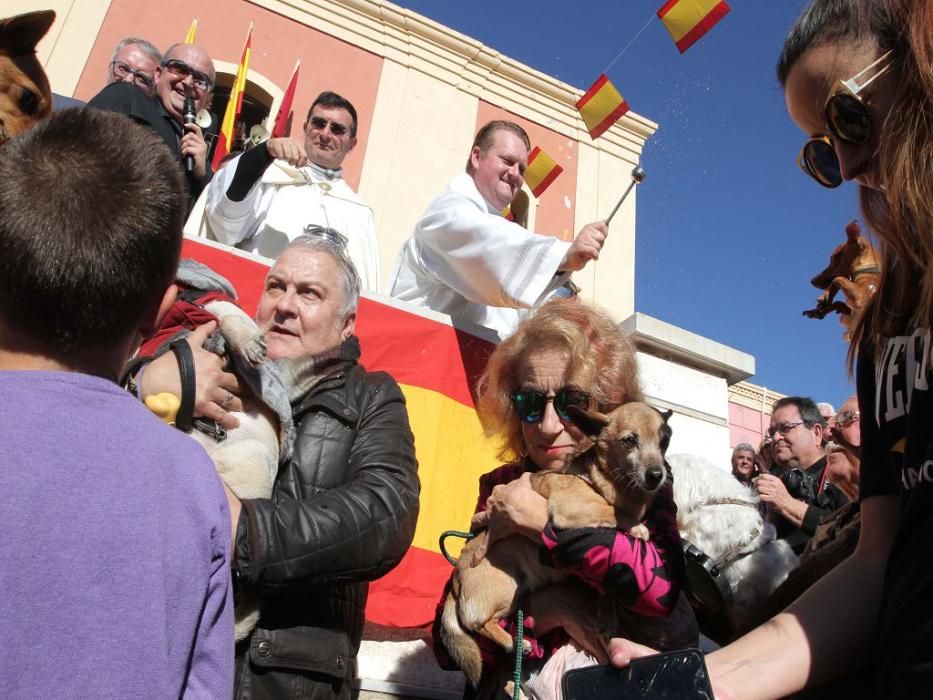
point(896, 407)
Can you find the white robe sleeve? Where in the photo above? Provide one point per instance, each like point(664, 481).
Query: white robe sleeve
point(486, 258)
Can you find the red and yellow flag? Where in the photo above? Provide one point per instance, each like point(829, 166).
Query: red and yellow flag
point(225, 137)
point(437, 373)
point(687, 20)
point(541, 171)
point(281, 119)
point(601, 106)
point(192, 35)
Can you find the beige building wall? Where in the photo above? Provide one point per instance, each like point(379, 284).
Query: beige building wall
point(430, 88)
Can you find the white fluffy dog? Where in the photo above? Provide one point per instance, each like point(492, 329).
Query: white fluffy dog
point(720, 516)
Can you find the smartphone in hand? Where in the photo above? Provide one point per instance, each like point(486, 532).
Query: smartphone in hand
point(675, 675)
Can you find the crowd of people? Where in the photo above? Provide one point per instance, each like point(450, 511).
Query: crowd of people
point(92, 207)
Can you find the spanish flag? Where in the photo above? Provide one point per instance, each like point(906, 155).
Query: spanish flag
point(282, 119)
point(601, 106)
point(687, 20)
point(437, 366)
point(225, 137)
point(192, 35)
point(541, 171)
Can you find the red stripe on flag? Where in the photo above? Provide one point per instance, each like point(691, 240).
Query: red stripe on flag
point(534, 154)
point(610, 120)
point(667, 8)
point(546, 182)
point(408, 595)
point(703, 26)
point(600, 81)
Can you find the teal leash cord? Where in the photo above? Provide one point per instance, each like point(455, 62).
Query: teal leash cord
point(520, 616)
point(517, 675)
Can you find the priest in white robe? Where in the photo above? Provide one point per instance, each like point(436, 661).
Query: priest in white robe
point(268, 196)
point(465, 260)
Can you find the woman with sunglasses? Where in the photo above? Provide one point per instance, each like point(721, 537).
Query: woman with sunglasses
point(567, 355)
point(858, 79)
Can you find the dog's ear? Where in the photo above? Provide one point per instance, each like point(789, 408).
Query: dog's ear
point(20, 34)
point(853, 231)
point(666, 415)
point(591, 423)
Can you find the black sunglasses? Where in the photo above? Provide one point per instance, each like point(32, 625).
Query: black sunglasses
point(849, 119)
point(176, 67)
point(336, 128)
point(529, 405)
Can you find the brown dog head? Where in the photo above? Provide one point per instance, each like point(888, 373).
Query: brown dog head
point(844, 258)
point(634, 438)
point(25, 95)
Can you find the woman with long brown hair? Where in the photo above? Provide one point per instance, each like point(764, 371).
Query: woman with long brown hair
point(858, 80)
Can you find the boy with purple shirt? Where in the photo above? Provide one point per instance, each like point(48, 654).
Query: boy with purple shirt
point(114, 555)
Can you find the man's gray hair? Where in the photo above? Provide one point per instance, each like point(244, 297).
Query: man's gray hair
point(743, 447)
point(145, 46)
point(321, 239)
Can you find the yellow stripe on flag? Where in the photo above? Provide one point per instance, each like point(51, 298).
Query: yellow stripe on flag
point(541, 171)
point(452, 455)
point(192, 35)
point(225, 137)
point(601, 106)
point(688, 20)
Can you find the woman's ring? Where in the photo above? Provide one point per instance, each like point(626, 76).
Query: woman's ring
point(227, 399)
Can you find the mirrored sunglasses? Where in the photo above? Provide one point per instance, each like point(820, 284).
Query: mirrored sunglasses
point(529, 405)
point(336, 128)
point(181, 69)
point(849, 120)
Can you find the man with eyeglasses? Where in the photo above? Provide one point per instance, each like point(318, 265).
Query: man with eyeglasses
point(273, 192)
point(186, 69)
point(802, 495)
point(135, 61)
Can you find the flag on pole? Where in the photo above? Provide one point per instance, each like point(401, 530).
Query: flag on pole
point(541, 171)
point(281, 119)
point(688, 20)
point(192, 35)
point(601, 106)
point(225, 137)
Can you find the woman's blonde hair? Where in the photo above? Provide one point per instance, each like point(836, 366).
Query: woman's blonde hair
point(601, 359)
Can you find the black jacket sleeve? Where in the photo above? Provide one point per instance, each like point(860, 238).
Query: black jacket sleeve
point(356, 531)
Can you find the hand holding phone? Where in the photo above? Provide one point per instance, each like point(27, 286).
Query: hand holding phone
point(675, 675)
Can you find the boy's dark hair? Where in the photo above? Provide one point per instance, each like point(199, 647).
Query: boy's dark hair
point(91, 212)
point(809, 413)
point(333, 100)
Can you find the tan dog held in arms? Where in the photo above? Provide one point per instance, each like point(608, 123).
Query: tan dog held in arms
point(611, 483)
point(853, 268)
point(25, 95)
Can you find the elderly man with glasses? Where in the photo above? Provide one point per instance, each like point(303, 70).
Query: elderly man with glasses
point(269, 195)
point(186, 70)
point(801, 496)
point(135, 61)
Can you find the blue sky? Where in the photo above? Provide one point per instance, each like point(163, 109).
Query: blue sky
point(729, 231)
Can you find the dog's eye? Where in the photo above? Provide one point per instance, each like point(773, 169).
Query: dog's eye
point(28, 102)
point(630, 440)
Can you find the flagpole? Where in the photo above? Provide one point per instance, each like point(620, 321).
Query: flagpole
point(638, 175)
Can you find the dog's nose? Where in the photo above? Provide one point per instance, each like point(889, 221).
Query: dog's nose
point(653, 477)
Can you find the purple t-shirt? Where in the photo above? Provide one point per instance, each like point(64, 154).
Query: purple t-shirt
point(114, 548)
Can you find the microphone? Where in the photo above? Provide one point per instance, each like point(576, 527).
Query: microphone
point(189, 115)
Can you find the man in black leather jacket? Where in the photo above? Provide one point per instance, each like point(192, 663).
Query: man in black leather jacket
point(344, 507)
